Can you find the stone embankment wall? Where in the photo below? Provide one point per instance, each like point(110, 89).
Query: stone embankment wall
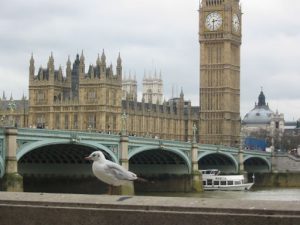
point(286, 173)
point(287, 163)
point(64, 209)
point(285, 180)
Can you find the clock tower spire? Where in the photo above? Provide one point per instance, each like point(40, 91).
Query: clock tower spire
point(220, 41)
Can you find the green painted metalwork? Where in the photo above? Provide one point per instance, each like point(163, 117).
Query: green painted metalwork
point(265, 159)
point(167, 148)
point(31, 139)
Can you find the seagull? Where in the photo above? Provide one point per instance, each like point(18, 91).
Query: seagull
point(108, 171)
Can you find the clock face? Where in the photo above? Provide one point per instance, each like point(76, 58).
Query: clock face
point(235, 23)
point(213, 21)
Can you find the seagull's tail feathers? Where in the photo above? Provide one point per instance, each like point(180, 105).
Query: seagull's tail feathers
point(132, 176)
point(143, 180)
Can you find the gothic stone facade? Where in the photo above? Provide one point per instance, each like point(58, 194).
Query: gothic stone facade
point(93, 102)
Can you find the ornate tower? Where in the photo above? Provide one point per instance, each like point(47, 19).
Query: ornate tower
point(220, 41)
point(129, 88)
point(153, 89)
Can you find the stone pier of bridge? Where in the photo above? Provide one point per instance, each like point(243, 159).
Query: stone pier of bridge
point(11, 181)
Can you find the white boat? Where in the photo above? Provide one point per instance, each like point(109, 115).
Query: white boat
point(212, 180)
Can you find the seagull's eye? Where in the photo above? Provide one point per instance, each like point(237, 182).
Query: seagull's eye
point(94, 155)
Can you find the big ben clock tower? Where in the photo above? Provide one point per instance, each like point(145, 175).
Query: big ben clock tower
point(220, 41)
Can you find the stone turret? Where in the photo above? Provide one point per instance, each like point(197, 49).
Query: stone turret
point(3, 96)
point(119, 66)
point(153, 88)
point(129, 88)
point(68, 73)
point(81, 65)
point(75, 77)
point(103, 64)
point(98, 61)
point(51, 63)
point(31, 68)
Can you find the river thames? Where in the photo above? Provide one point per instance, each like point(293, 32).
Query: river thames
point(280, 194)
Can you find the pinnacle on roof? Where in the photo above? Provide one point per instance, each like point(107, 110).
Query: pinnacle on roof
point(3, 96)
point(103, 57)
point(69, 62)
point(181, 93)
point(82, 56)
point(98, 60)
point(51, 59)
point(31, 58)
point(23, 96)
point(119, 60)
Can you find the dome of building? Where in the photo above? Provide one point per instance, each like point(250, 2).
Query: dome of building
point(261, 114)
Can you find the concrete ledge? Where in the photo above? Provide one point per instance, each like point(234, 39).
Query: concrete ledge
point(63, 209)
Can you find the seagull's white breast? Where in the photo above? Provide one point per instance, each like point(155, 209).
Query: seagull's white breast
point(102, 172)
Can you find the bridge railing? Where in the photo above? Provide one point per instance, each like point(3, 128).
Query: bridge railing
point(63, 133)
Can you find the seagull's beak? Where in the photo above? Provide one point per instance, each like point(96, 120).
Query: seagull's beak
point(88, 158)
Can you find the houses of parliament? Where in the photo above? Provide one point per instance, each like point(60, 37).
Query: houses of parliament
point(95, 97)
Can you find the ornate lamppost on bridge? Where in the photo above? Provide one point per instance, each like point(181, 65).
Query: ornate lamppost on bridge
point(123, 124)
point(12, 108)
point(194, 133)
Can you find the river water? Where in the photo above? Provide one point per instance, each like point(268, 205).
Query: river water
point(281, 194)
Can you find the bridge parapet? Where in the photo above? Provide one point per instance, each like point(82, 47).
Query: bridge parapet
point(65, 134)
point(140, 142)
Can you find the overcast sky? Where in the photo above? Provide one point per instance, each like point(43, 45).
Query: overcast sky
point(151, 35)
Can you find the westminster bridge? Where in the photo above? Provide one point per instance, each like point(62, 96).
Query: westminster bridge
point(41, 152)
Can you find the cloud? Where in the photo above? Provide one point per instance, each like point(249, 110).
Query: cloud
point(151, 35)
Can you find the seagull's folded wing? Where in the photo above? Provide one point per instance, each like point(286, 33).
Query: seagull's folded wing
point(120, 172)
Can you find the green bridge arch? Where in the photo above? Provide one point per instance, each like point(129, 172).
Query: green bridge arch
point(265, 164)
point(228, 155)
point(26, 148)
point(178, 152)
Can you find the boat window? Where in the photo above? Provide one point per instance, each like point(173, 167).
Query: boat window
point(216, 182)
point(209, 182)
point(223, 182)
point(237, 182)
point(230, 182)
point(204, 182)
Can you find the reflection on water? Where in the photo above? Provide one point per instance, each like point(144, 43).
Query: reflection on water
point(281, 194)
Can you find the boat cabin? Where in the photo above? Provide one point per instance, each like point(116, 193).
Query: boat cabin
point(212, 180)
